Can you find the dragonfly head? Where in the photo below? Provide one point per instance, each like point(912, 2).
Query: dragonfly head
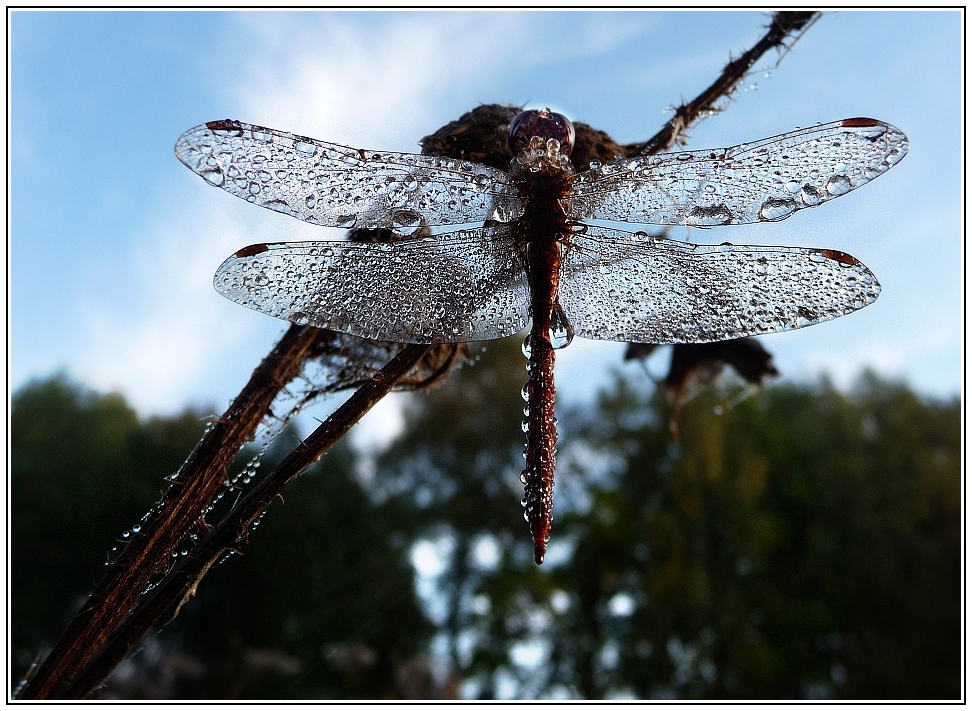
point(543, 124)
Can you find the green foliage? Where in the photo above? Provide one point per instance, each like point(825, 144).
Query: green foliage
point(321, 604)
point(804, 543)
point(83, 471)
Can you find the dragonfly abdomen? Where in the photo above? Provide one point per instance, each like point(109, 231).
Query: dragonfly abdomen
point(540, 232)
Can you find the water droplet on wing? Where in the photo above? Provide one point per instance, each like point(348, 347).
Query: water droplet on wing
point(777, 209)
point(838, 185)
point(708, 216)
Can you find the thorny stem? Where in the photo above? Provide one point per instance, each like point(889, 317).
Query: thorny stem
point(148, 555)
point(232, 531)
point(117, 614)
point(782, 26)
point(171, 520)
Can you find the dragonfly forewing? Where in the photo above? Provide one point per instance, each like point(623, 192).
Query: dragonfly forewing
point(468, 285)
point(762, 181)
point(619, 286)
point(336, 186)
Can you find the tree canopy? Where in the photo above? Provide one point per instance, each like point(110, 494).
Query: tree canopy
point(802, 543)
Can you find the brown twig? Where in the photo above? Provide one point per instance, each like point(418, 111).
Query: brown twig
point(782, 26)
point(179, 512)
point(231, 532)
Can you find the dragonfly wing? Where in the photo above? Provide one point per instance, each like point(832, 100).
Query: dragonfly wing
point(617, 286)
point(468, 285)
point(762, 181)
point(336, 186)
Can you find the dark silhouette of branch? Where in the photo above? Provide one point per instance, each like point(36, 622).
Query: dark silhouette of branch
point(179, 512)
point(703, 362)
point(142, 583)
point(232, 531)
point(783, 26)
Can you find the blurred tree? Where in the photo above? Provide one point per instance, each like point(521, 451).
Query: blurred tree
point(457, 467)
point(804, 543)
point(83, 471)
point(322, 604)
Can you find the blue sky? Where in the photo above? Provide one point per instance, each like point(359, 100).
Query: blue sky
point(113, 243)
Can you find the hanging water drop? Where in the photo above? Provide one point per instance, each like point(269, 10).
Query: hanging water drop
point(561, 332)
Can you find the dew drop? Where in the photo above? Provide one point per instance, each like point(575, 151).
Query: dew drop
point(213, 176)
point(230, 129)
point(871, 132)
point(810, 196)
point(776, 209)
point(895, 155)
point(279, 206)
point(406, 222)
point(708, 216)
point(526, 348)
point(561, 332)
point(806, 317)
point(838, 185)
point(306, 148)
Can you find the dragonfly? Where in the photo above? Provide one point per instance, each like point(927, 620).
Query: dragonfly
point(526, 246)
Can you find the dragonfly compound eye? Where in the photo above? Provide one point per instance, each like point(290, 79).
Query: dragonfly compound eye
point(544, 124)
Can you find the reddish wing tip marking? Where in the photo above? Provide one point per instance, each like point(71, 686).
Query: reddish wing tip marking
point(251, 250)
point(859, 122)
point(224, 125)
point(841, 257)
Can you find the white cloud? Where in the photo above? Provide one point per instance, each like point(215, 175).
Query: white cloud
point(381, 426)
point(156, 347)
point(363, 82)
